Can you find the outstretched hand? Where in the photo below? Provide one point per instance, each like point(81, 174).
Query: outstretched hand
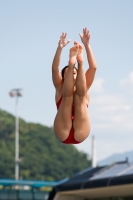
point(62, 42)
point(85, 38)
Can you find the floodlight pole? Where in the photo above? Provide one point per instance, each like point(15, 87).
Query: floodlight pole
point(17, 142)
point(93, 157)
point(16, 93)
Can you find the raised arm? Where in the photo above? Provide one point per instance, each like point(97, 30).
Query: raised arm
point(90, 73)
point(56, 75)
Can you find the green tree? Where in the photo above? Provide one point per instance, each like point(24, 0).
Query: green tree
point(42, 155)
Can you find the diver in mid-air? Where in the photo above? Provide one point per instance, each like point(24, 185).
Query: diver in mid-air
point(72, 123)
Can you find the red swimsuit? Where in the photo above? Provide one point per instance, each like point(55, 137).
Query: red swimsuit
point(70, 139)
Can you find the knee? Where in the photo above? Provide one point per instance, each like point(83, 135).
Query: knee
point(82, 93)
point(80, 99)
point(67, 100)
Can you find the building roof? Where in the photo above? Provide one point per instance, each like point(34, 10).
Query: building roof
point(120, 173)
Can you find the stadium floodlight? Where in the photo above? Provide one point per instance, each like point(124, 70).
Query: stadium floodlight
point(16, 93)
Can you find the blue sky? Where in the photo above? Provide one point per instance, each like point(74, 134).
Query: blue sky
point(29, 34)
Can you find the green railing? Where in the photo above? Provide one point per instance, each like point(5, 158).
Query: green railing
point(23, 195)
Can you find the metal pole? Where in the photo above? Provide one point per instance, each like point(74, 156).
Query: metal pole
point(17, 142)
point(17, 93)
point(93, 152)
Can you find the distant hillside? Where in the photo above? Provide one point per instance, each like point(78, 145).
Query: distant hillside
point(42, 155)
point(116, 158)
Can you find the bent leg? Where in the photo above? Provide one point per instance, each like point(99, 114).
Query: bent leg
point(81, 123)
point(63, 122)
point(63, 119)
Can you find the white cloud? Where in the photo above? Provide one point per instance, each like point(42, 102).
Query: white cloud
point(110, 111)
point(100, 126)
point(127, 80)
point(97, 86)
point(108, 147)
point(111, 117)
point(105, 145)
point(113, 108)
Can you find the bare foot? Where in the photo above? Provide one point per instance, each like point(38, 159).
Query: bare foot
point(73, 54)
point(80, 53)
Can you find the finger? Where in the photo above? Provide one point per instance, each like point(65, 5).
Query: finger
point(80, 35)
point(88, 34)
point(84, 31)
point(87, 31)
point(62, 34)
point(65, 34)
point(68, 41)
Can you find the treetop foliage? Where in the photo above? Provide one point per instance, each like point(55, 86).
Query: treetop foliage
point(42, 155)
